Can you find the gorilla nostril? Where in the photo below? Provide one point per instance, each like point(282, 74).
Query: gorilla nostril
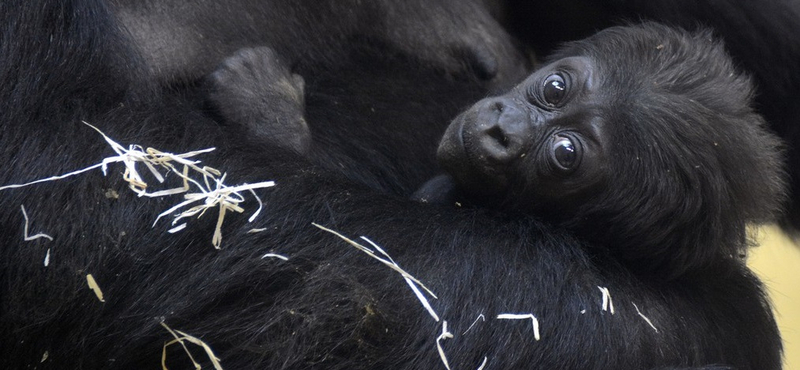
point(499, 136)
point(498, 106)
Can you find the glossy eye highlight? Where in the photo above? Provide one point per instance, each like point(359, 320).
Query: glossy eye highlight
point(565, 153)
point(554, 90)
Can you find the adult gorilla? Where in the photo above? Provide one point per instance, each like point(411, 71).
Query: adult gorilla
point(328, 306)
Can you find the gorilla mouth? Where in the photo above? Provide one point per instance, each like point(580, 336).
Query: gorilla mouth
point(468, 146)
point(474, 150)
point(454, 152)
point(460, 155)
point(459, 132)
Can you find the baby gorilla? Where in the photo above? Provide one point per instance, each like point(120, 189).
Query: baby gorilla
point(640, 139)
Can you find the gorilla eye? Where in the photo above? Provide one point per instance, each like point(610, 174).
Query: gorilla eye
point(565, 153)
point(554, 90)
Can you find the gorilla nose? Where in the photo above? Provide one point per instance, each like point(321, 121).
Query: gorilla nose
point(503, 130)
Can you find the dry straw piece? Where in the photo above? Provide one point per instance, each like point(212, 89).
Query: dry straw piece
point(25, 230)
point(94, 287)
point(523, 316)
point(211, 192)
point(415, 286)
point(480, 317)
point(483, 364)
point(608, 304)
point(388, 261)
point(445, 335)
point(644, 317)
point(180, 339)
point(273, 255)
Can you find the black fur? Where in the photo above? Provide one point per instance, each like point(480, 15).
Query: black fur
point(760, 36)
point(670, 162)
point(184, 40)
point(691, 163)
point(255, 90)
point(329, 306)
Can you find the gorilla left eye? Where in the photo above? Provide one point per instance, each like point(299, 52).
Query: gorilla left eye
point(554, 90)
point(565, 153)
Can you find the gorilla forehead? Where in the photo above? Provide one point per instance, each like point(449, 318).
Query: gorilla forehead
point(669, 88)
point(653, 60)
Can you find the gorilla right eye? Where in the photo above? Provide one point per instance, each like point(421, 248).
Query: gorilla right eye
point(565, 153)
point(554, 90)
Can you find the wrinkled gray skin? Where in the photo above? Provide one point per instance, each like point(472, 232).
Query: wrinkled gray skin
point(182, 40)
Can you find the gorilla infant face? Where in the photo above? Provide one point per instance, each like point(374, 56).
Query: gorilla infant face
point(538, 146)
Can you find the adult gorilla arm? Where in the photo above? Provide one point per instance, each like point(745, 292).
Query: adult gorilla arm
point(184, 40)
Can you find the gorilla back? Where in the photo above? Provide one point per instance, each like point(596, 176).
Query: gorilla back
point(328, 306)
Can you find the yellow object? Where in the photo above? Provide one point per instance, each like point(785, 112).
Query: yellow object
point(777, 262)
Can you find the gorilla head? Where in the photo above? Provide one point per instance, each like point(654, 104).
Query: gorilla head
point(640, 138)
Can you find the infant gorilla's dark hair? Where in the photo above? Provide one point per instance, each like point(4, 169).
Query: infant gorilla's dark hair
point(691, 163)
point(676, 162)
